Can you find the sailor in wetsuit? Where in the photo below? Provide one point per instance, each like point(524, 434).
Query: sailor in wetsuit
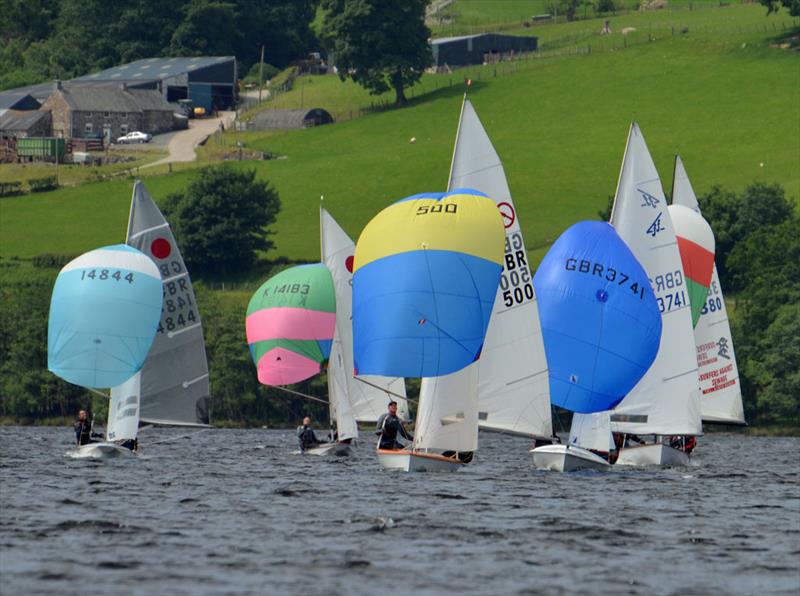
point(389, 425)
point(83, 430)
point(306, 436)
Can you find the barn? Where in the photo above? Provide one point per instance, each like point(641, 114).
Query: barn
point(478, 49)
point(208, 81)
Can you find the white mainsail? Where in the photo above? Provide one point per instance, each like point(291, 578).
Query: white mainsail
point(174, 380)
point(352, 400)
point(123, 411)
point(721, 391)
point(666, 400)
point(513, 386)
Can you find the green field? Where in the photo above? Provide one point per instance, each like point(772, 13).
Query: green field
point(726, 100)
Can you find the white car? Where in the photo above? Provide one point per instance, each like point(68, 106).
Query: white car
point(135, 137)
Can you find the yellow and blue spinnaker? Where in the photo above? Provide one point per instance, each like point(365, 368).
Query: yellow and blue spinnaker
point(425, 278)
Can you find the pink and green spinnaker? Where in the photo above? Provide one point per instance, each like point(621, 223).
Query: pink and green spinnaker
point(290, 324)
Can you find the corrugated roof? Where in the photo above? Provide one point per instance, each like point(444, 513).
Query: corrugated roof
point(153, 69)
point(20, 119)
point(456, 38)
point(10, 100)
point(113, 98)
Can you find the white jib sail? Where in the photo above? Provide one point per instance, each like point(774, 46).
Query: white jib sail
point(174, 379)
point(123, 410)
point(720, 389)
point(513, 386)
point(592, 431)
point(447, 419)
point(351, 400)
point(666, 400)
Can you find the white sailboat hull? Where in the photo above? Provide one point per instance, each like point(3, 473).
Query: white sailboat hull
point(567, 458)
point(329, 449)
point(103, 450)
point(414, 461)
point(652, 455)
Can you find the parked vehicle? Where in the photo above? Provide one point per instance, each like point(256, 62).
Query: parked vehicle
point(135, 137)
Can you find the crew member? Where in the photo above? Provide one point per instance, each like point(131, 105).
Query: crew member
point(306, 436)
point(389, 425)
point(83, 430)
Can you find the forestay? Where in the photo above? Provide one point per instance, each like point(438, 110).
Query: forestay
point(666, 399)
point(513, 389)
point(721, 392)
point(364, 399)
point(174, 380)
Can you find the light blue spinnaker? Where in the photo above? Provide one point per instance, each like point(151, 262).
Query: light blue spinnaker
point(104, 314)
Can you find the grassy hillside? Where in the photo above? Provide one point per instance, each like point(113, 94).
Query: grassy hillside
point(727, 102)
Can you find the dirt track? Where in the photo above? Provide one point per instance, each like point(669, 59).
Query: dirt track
point(181, 144)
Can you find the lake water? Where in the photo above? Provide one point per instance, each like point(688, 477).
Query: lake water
point(235, 512)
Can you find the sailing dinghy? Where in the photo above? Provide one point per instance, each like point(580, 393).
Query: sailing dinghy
point(601, 327)
point(425, 278)
point(174, 382)
point(290, 327)
point(721, 391)
point(512, 383)
point(104, 314)
point(663, 409)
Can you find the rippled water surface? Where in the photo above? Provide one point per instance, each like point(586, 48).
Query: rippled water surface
point(235, 512)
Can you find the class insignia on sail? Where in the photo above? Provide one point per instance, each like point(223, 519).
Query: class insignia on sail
point(600, 320)
point(104, 314)
point(290, 324)
point(425, 278)
point(696, 245)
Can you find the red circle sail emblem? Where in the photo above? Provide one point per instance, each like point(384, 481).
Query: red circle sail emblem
point(348, 263)
point(160, 248)
point(507, 211)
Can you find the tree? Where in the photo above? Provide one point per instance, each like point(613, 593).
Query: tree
point(733, 217)
point(221, 219)
point(209, 28)
point(380, 45)
point(775, 372)
point(793, 6)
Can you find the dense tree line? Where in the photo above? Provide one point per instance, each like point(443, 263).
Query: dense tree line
point(42, 40)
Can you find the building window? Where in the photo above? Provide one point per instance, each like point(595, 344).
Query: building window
point(123, 128)
point(87, 129)
point(107, 114)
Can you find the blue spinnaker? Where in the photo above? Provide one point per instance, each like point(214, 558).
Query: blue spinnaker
point(600, 321)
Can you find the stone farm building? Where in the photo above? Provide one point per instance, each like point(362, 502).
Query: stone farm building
point(106, 110)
